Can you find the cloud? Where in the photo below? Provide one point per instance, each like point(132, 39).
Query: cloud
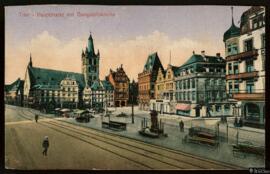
point(48, 51)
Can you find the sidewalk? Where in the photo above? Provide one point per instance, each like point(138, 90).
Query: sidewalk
point(174, 139)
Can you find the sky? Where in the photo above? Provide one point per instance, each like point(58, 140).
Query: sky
point(55, 35)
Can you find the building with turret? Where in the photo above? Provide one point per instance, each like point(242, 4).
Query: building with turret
point(245, 66)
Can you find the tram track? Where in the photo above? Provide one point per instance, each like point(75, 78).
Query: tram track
point(182, 161)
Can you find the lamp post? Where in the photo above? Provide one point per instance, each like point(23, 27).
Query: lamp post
point(132, 100)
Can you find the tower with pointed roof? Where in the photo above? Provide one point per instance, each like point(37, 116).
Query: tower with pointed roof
point(30, 61)
point(90, 63)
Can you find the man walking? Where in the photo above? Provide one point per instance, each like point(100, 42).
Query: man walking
point(181, 125)
point(36, 118)
point(45, 145)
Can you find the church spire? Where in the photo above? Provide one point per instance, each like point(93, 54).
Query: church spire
point(91, 49)
point(30, 61)
point(232, 15)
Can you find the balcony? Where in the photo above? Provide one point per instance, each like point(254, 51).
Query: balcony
point(243, 56)
point(249, 96)
point(245, 75)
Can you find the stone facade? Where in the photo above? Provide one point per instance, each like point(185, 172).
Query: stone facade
point(200, 87)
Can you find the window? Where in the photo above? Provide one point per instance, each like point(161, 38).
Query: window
point(235, 68)
point(188, 95)
point(257, 22)
point(232, 49)
point(230, 87)
point(193, 95)
point(249, 66)
point(193, 83)
point(230, 68)
point(250, 86)
point(188, 83)
point(180, 84)
point(236, 87)
point(184, 95)
point(218, 108)
point(263, 62)
point(263, 40)
point(180, 96)
point(184, 83)
point(229, 48)
point(248, 45)
point(214, 82)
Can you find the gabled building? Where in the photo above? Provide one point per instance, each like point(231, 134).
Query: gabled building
point(147, 79)
point(109, 93)
point(245, 65)
point(120, 82)
point(164, 101)
point(200, 87)
point(97, 95)
point(13, 93)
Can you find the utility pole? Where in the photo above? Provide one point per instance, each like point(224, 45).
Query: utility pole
point(132, 101)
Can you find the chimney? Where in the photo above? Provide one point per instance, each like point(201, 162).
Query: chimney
point(193, 52)
point(218, 55)
point(203, 53)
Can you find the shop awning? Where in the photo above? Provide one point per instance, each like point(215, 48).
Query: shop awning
point(65, 110)
point(81, 111)
point(183, 107)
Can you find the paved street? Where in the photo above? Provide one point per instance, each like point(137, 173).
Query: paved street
point(73, 147)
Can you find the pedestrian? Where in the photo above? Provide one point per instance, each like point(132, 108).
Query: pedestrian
point(181, 124)
point(36, 118)
point(240, 122)
point(45, 145)
point(235, 122)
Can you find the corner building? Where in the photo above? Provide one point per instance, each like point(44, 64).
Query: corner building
point(245, 66)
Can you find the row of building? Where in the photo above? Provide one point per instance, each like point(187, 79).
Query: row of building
point(47, 89)
point(203, 86)
point(211, 85)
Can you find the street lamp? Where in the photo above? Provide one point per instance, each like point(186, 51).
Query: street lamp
point(132, 100)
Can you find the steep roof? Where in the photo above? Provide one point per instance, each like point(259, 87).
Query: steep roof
point(195, 58)
point(233, 31)
point(96, 86)
point(152, 62)
point(15, 85)
point(107, 85)
point(48, 78)
point(174, 69)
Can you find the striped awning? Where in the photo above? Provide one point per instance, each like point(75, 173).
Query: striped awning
point(183, 107)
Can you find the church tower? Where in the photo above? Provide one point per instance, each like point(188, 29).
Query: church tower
point(90, 63)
